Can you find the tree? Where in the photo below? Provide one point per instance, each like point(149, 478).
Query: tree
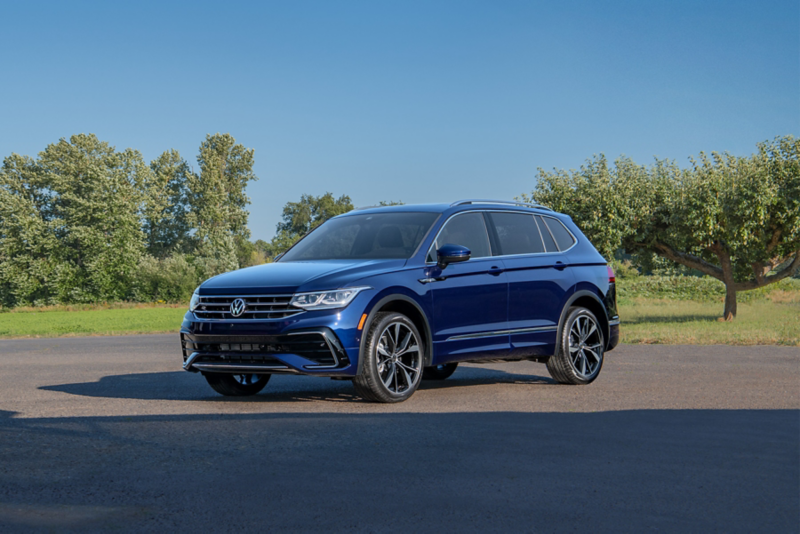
point(301, 217)
point(165, 225)
point(96, 199)
point(217, 201)
point(27, 234)
point(736, 219)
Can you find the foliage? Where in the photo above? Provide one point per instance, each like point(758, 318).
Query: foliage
point(170, 279)
point(84, 222)
point(736, 219)
point(301, 217)
point(217, 202)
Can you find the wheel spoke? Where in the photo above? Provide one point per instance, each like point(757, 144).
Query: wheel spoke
point(583, 362)
point(595, 355)
point(396, 336)
point(405, 342)
point(388, 380)
point(405, 375)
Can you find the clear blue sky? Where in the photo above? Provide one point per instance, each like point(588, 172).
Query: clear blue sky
point(413, 101)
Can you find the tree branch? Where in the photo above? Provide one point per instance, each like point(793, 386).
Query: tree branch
point(689, 260)
point(766, 280)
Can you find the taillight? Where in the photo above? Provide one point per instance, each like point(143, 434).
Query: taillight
point(611, 277)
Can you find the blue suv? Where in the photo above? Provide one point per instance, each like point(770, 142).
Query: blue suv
point(389, 296)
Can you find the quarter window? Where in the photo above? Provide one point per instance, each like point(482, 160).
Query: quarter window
point(549, 242)
point(517, 233)
point(467, 230)
point(564, 239)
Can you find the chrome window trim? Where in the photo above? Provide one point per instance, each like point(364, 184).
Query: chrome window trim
point(574, 238)
point(453, 216)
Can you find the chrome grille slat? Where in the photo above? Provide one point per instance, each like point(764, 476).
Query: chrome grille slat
point(258, 307)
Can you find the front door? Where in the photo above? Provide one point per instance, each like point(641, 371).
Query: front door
point(470, 299)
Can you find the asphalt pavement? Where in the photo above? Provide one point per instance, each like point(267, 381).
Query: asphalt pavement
point(108, 434)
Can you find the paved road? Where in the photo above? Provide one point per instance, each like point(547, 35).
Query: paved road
point(107, 434)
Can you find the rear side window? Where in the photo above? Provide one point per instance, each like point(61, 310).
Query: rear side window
point(467, 230)
point(549, 242)
point(517, 233)
point(564, 239)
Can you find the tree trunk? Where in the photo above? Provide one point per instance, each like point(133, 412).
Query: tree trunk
point(730, 303)
point(727, 277)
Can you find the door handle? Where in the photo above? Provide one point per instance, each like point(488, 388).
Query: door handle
point(495, 270)
point(560, 265)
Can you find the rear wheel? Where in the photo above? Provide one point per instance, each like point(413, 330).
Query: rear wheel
point(580, 356)
point(236, 385)
point(393, 354)
point(439, 372)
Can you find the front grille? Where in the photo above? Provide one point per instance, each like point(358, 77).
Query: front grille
point(256, 307)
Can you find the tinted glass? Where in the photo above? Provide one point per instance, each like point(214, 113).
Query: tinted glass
point(467, 230)
point(517, 233)
point(564, 239)
point(368, 236)
point(549, 244)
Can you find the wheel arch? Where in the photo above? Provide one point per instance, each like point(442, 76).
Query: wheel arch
point(591, 302)
point(410, 308)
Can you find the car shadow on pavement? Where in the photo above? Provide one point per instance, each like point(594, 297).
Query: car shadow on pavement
point(183, 386)
point(627, 471)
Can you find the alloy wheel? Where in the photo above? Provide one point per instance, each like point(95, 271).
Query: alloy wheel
point(585, 346)
point(399, 358)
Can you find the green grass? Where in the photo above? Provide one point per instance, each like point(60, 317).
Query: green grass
point(88, 322)
point(762, 322)
point(768, 318)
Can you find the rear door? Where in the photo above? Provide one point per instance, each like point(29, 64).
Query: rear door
point(470, 299)
point(539, 279)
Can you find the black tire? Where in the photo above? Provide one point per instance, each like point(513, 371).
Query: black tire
point(581, 349)
point(392, 368)
point(232, 385)
point(439, 372)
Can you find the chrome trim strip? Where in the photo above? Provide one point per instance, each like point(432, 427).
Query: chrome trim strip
point(238, 368)
point(243, 296)
point(187, 365)
point(613, 323)
point(327, 342)
point(504, 333)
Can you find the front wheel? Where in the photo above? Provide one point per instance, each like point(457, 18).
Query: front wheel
point(580, 355)
point(393, 354)
point(236, 385)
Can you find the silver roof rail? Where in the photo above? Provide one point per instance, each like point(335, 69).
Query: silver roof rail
point(504, 202)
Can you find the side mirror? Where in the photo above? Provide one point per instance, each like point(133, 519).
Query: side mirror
point(448, 254)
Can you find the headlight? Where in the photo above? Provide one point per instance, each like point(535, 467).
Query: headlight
point(195, 300)
point(326, 300)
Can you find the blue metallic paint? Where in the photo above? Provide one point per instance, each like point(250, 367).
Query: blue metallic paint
point(479, 296)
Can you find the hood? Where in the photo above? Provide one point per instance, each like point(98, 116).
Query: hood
point(295, 276)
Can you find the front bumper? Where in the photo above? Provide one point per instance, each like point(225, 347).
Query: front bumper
point(316, 351)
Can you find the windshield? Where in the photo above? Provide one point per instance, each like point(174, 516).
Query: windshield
point(363, 237)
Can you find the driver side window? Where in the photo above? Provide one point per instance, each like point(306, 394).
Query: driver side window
point(467, 230)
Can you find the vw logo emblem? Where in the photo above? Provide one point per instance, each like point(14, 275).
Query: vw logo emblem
point(238, 307)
